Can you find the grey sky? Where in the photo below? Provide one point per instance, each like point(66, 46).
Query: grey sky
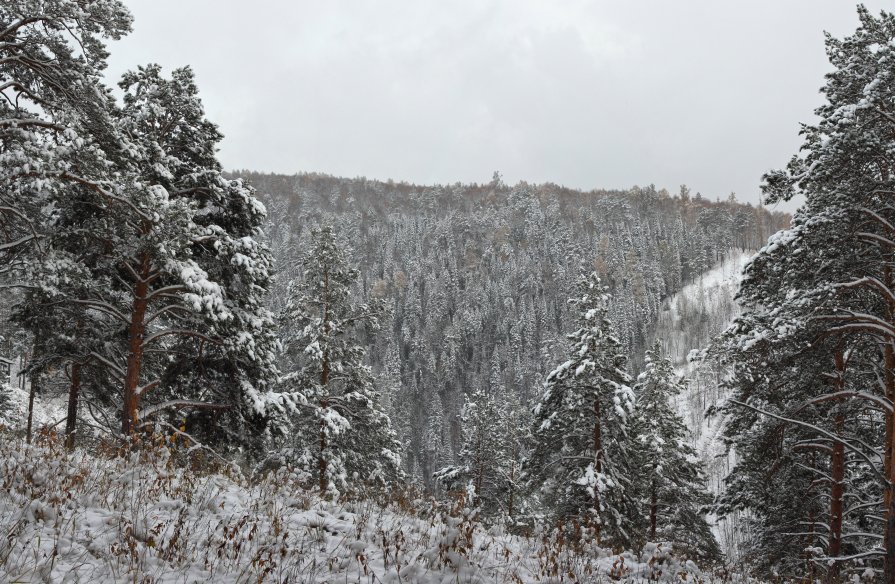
point(582, 93)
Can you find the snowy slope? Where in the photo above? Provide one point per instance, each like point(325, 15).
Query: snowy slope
point(690, 319)
point(82, 518)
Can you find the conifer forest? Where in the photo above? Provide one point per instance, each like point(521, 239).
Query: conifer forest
point(213, 373)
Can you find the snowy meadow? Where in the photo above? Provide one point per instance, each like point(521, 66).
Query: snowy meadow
point(149, 517)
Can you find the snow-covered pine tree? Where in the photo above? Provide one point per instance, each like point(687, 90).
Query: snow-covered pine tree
point(579, 464)
point(793, 473)
point(55, 126)
point(490, 453)
point(668, 472)
point(195, 271)
point(340, 437)
point(209, 301)
point(171, 298)
point(827, 285)
point(57, 135)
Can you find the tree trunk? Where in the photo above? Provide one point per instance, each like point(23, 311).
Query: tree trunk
point(324, 379)
point(837, 494)
point(598, 463)
point(809, 544)
point(324, 404)
point(512, 487)
point(889, 469)
point(71, 420)
point(653, 510)
point(32, 390)
point(321, 460)
point(135, 334)
point(837, 476)
point(888, 462)
point(889, 538)
point(480, 470)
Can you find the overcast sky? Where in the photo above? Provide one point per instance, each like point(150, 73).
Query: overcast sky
point(582, 93)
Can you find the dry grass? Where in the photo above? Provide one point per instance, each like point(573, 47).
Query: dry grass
point(155, 515)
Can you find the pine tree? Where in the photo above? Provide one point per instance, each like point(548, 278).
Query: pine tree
point(667, 467)
point(490, 453)
point(579, 461)
point(164, 290)
point(815, 344)
point(342, 437)
point(56, 131)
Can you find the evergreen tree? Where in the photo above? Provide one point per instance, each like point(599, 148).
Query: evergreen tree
point(813, 354)
point(789, 420)
point(164, 291)
point(668, 471)
point(490, 453)
point(57, 135)
point(56, 130)
point(220, 282)
point(342, 437)
point(579, 464)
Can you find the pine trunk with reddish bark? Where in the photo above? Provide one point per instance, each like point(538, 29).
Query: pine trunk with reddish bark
point(889, 469)
point(837, 476)
point(135, 336)
point(889, 462)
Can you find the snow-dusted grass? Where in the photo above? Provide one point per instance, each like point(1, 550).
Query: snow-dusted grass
point(142, 517)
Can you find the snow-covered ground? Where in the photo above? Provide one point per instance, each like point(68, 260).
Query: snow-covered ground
point(689, 321)
point(85, 517)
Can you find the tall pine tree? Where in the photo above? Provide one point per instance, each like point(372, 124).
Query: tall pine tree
point(340, 435)
point(814, 353)
point(667, 468)
point(579, 464)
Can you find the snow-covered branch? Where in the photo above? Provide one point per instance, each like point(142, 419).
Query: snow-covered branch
point(873, 465)
point(182, 332)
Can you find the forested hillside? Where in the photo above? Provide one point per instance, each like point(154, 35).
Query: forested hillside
point(476, 278)
point(236, 376)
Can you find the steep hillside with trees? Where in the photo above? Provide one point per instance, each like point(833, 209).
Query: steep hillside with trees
point(475, 279)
